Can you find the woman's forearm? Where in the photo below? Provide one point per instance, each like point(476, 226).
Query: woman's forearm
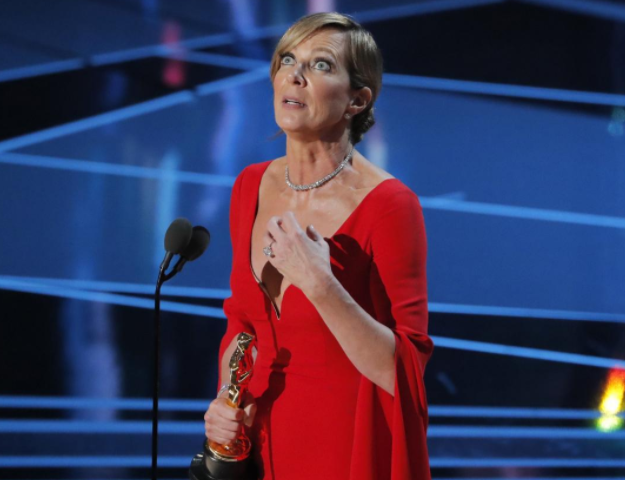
point(368, 344)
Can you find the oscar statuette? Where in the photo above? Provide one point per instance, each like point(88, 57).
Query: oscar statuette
point(231, 461)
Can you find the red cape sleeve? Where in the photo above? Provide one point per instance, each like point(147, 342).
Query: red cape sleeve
point(235, 313)
point(390, 431)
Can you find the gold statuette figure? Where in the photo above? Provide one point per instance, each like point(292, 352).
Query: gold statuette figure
point(229, 461)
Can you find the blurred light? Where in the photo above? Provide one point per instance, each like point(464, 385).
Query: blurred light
point(168, 194)
point(618, 114)
point(242, 17)
point(376, 147)
point(316, 6)
point(613, 395)
point(612, 401)
point(616, 127)
point(609, 423)
point(174, 71)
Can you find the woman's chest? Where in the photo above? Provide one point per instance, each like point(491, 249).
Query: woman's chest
point(268, 229)
point(267, 294)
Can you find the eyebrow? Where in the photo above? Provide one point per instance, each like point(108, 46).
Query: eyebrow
point(317, 49)
point(325, 49)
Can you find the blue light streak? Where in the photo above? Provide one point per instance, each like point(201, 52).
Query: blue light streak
point(434, 203)
point(525, 352)
point(96, 121)
point(499, 89)
point(511, 211)
point(41, 69)
point(144, 427)
point(526, 312)
point(445, 342)
point(259, 33)
point(183, 461)
point(254, 75)
point(207, 41)
point(450, 462)
point(125, 427)
point(221, 294)
point(479, 431)
point(218, 60)
point(81, 403)
point(233, 81)
point(514, 412)
point(132, 111)
point(597, 8)
point(119, 287)
point(421, 8)
point(531, 478)
point(144, 404)
point(104, 168)
point(127, 55)
point(111, 298)
point(71, 461)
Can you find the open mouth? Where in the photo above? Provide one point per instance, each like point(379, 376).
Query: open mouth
point(289, 101)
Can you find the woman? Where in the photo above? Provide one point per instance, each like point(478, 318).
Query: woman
point(329, 274)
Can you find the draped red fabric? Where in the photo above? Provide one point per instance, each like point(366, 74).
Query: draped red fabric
point(318, 417)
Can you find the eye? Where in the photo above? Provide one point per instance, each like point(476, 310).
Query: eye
point(287, 59)
point(322, 65)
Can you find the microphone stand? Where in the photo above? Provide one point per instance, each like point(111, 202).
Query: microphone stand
point(162, 278)
point(190, 243)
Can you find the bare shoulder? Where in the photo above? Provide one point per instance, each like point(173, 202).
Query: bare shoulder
point(369, 174)
point(274, 175)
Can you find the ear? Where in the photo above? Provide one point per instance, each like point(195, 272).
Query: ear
point(360, 99)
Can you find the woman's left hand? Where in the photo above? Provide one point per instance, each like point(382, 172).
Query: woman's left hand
point(301, 256)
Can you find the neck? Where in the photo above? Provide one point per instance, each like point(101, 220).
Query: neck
point(310, 161)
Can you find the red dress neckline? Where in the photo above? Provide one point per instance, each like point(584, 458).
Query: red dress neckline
point(263, 168)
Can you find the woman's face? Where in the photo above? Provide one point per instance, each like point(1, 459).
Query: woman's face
point(311, 88)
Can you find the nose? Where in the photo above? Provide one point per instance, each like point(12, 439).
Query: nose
point(296, 75)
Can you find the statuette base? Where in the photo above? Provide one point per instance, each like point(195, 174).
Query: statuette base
point(209, 466)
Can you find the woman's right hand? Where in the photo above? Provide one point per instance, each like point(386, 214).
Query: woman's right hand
point(223, 424)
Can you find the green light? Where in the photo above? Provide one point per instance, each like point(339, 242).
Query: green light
point(609, 423)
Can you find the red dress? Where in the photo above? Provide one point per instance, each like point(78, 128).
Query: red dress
point(318, 417)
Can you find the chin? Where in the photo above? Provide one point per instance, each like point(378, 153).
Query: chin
point(291, 126)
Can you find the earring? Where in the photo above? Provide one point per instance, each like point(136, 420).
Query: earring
point(347, 116)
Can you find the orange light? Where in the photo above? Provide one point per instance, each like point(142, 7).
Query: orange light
point(614, 392)
point(612, 402)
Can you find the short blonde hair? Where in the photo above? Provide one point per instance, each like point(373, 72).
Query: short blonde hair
point(363, 59)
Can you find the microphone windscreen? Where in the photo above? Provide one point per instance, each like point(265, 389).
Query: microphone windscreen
point(198, 244)
point(178, 235)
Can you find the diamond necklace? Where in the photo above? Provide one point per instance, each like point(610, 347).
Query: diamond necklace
point(325, 179)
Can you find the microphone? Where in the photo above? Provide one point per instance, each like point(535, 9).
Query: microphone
point(190, 243)
point(177, 238)
point(200, 239)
